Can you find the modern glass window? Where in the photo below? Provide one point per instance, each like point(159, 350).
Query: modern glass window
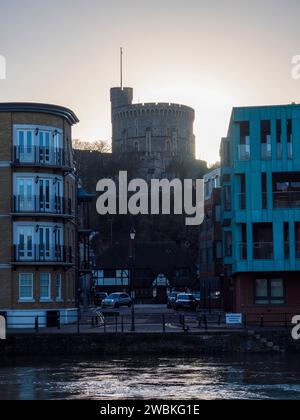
point(228, 244)
point(227, 197)
point(244, 143)
point(289, 129)
point(45, 286)
point(58, 289)
point(265, 135)
point(278, 139)
point(269, 291)
point(219, 250)
point(25, 286)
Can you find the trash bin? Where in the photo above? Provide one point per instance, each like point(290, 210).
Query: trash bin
point(52, 319)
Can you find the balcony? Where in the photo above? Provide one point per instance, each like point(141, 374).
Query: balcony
point(286, 199)
point(266, 151)
point(244, 151)
point(35, 254)
point(263, 251)
point(40, 156)
point(41, 205)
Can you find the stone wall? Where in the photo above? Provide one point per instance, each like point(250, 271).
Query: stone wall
point(177, 344)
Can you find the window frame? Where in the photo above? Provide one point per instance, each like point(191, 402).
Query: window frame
point(27, 298)
point(45, 298)
point(269, 299)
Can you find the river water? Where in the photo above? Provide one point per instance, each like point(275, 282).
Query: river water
point(255, 377)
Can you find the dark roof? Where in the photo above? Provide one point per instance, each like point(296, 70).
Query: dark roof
point(57, 110)
point(158, 256)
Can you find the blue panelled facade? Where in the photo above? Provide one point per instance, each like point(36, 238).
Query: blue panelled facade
point(260, 177)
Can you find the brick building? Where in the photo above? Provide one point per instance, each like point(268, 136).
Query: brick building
point(210, 244)
point(38, 196)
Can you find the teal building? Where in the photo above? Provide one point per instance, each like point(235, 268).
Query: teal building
point(260, 180)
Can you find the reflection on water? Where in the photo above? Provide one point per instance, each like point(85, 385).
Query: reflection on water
point(177, 378)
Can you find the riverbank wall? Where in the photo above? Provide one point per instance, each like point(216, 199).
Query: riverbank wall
point(137, 344)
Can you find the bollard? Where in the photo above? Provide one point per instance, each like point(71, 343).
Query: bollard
point(78, 321)
point(245, 321)
point(183, 322)
point(36, 324)
point(219, 319)
point(262, 321)
point(122, 323)
point(104, 325)
point(116, 322)
point(200, 321)
point(92, 321)
point(164, 323)
point(205, 322)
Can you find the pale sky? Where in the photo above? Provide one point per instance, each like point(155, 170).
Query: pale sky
point(211, 55)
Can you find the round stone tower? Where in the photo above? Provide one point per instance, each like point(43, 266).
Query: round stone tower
point(160, 130)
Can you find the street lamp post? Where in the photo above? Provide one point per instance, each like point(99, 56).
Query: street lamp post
point(131, 259)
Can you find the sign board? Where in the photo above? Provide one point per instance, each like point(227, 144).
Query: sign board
point(233, 319)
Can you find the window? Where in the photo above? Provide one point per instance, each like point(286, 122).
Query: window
point(278, 139)
point(58, 287)
point(38, 144)
point(218, 213)
point(242, 201)
point(264, 197)
point(244, 144)
point(289, 129)
point(45, 286)
point(219, 253)
point(227, 197)
point(269, 291)
point(265, 136)
point(38, 242)
point(26, 286)
point(297, 239)
point(228, 244)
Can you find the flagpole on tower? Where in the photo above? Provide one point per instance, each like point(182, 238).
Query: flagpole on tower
point(121, 67)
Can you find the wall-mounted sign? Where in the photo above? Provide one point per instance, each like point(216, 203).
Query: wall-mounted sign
point(232, 319)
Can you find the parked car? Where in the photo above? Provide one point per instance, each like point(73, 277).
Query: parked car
point(197, 296)
point(171, 299)
point(99, 297)
point(186, 301)
point(115, 300)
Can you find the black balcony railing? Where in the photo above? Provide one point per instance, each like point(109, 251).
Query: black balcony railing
point(263, 250)
point(40, 155)
point(42, 204)
point(286, 199)
point(43, 253)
